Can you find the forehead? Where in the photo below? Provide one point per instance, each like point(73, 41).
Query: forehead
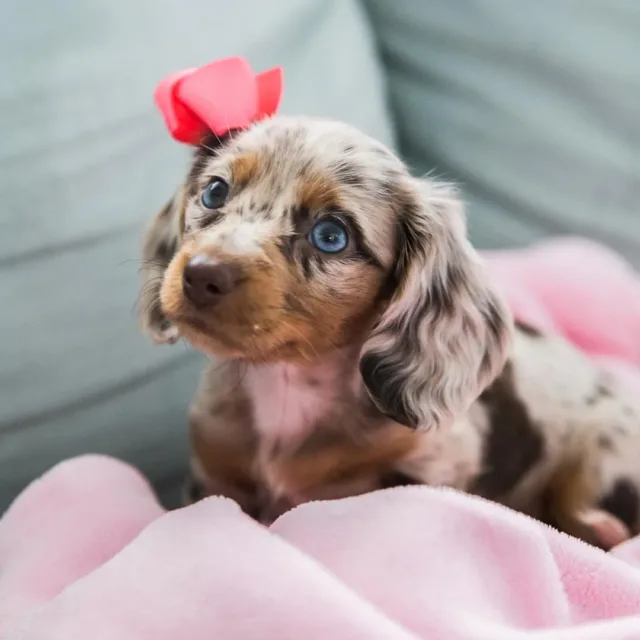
point(290, 148)
point(315, 165)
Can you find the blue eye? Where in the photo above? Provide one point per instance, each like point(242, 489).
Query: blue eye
point(329, 236)
point(215, 194)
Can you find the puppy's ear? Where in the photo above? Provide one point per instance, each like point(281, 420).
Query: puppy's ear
point(445, 332)
point(158, 248)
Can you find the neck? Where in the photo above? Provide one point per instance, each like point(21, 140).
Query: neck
point(290, 400)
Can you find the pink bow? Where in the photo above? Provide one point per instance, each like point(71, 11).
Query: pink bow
point(217, 97)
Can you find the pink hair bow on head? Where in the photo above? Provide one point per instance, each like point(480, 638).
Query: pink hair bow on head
point(219, 97)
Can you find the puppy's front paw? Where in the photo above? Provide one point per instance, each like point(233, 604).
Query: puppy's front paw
point(608, 530)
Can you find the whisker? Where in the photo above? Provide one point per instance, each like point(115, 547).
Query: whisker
point(149, 290)
point(241, 378)
point(146, 262)
point(152, 282)
point(292, 328)
point(150, 302)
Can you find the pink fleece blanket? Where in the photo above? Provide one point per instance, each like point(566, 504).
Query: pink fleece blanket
point(86, 552)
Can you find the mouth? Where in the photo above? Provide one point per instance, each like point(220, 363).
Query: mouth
point(225, 338)
point(250, 343)
point(190, 325)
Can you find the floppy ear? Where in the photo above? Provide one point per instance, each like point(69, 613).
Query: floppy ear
point(445, 333)
point(158, 248)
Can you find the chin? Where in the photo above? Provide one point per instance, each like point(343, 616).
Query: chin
point(251, 347)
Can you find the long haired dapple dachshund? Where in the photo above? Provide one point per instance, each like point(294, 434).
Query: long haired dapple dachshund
point(356, 342)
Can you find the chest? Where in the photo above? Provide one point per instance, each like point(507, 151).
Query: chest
point(289, 401)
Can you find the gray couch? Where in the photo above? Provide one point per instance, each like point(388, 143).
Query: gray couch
point(534, 110)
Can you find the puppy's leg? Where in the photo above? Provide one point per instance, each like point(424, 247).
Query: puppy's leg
point(595, 494)
point(223, 467)
point(587, 439)
point(332, 464)
point(571, 505)
point(223, 443)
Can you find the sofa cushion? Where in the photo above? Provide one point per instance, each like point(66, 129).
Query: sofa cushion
point(534, 110)
point(84, 162)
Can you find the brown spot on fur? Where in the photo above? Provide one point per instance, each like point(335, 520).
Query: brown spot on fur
point(166, 249)
point(161, 237)
point(513, 444)
point(623, 501)
point(496, 327)
point(602, 390)
point(319, 193)
point(409, 240)
point(444, 292)
point(606, 443)
point(527, 329)
point(230, 459)
point(347, 173)
point(301, 219)
point(330, 458)
point(244, 168)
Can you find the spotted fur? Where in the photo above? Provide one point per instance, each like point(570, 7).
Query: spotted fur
point(393, 361)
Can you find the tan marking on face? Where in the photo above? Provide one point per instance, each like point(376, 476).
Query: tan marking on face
point(275, 312)
point(228, 328)
point(342, 304)
point(182, 209)
point(244, 168)
point(318, 192)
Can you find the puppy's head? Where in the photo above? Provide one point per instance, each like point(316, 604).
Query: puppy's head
point(298, 237)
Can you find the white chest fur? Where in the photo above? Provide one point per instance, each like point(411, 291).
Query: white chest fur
point(289, 400)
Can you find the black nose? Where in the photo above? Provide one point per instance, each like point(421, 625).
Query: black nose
point(205, 280)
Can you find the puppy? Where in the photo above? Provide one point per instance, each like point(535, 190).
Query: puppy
point(356, 342)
